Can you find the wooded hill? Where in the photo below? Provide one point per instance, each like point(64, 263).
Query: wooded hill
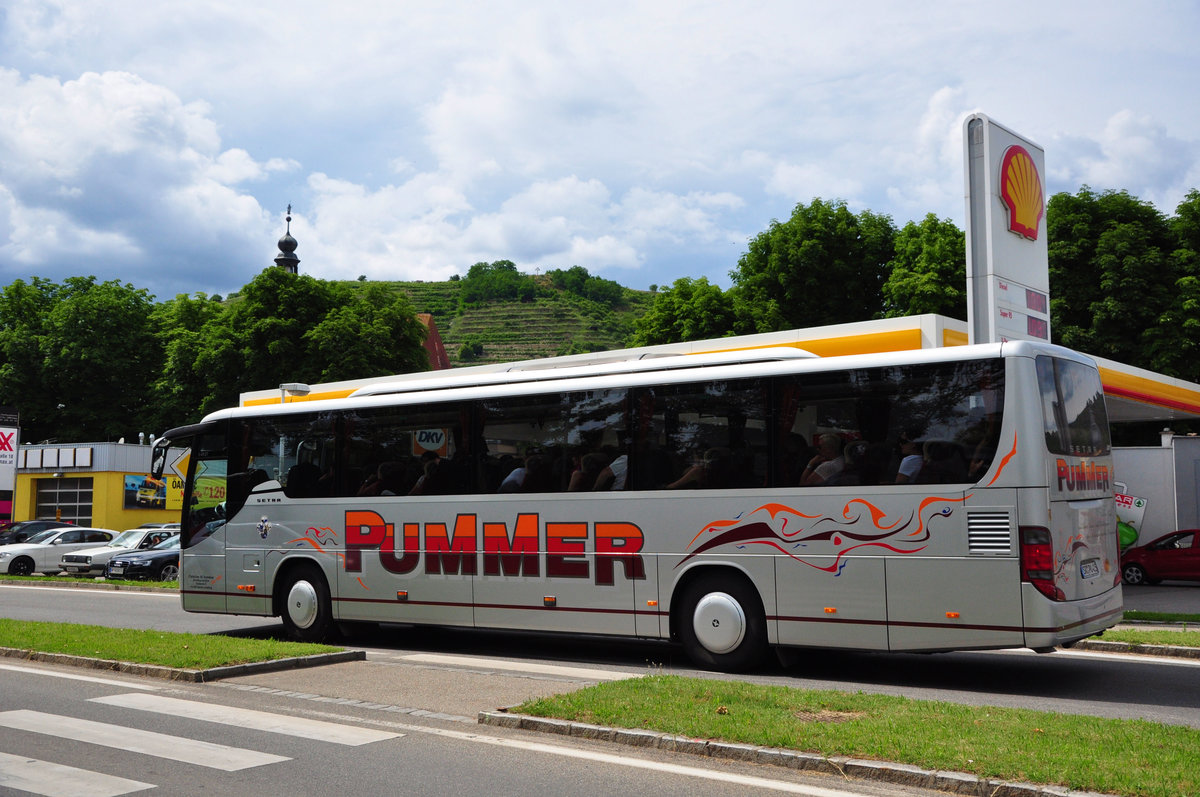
point(553, 321)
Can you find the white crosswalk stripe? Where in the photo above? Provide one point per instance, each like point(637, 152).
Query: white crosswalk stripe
point(57, 780)
point(47, 778)
point(161, 745)
point(332, 732)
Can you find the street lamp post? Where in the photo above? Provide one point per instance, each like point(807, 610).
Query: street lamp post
point(292, 389)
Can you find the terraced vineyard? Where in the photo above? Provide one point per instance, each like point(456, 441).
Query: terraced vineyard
point(556, 323)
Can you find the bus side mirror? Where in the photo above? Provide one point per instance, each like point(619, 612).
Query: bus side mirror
point(158, 458)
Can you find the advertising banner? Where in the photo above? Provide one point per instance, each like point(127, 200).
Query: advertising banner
point(144, 492)
point(9, 438)
point(1131, 509)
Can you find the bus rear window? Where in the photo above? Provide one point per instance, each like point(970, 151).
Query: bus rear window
point(1073, 411)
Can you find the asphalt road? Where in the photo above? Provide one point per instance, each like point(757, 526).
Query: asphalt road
point(422, 689)
point(496, 669)
point(74, 732)
point(1179, 597)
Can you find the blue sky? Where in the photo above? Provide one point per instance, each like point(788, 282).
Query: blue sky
point(159, 144)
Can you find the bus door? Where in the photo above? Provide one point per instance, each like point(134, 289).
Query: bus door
point(247, 590)
point(202, 582)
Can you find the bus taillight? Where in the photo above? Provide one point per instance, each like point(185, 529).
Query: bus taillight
point(1037, 561)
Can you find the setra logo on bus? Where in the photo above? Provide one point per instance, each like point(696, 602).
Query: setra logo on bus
point(1081, 476)
point(458, 552)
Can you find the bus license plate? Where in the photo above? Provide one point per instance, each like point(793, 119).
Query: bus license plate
point(1090, 568)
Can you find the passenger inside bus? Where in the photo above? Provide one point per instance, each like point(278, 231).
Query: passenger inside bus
point(584, 477)
point(827, 462)
point(911, 458)
point(714, 469)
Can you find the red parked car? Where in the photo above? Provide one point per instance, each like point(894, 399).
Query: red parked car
point(1174, 556)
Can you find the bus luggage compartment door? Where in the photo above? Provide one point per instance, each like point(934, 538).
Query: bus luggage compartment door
point(824, 603)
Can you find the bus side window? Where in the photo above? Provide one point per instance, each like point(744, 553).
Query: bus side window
point(703, 435)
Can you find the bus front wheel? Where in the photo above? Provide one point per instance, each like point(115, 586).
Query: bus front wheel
point(306, 610)
point(722, 625)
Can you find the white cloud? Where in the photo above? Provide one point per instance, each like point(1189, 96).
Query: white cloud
point(111, 174)
point(147, 139)
point(1132, 152)
point(33, 236)
point(236, 166)
point(420, 228)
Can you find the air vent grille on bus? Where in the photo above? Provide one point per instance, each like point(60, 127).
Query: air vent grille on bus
point(989, 533)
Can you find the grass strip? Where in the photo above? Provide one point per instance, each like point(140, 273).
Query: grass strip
point(1152, 636)
point(1126, 757)
point(163, 648)
point(1162, 617)
point(89, 580)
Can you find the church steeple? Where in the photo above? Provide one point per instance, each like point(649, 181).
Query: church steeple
point(286, 259)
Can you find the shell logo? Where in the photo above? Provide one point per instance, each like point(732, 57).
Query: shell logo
point(1021, 190)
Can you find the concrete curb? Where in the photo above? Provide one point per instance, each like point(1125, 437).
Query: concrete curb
point(194, 676)
point(1100, 646)
point(899, 774)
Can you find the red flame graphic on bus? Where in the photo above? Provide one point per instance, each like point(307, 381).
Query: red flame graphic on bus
point(319, 539)
point(862, 524)
point(799, 535)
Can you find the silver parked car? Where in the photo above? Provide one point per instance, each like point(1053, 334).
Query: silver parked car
point(93, 561)
point(43, 552)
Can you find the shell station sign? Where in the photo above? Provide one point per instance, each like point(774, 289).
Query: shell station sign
point(1008, 272)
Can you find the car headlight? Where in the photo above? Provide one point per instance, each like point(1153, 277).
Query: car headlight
point(4, 554)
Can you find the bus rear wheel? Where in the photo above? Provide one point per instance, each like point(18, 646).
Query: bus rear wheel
point(722, 624)
point(306, 609)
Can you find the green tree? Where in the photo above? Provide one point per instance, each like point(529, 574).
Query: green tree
point(181, 388)
point(260, 342)
point(576, 280)
point(471, 350)
point(1176, 346)
point(928, 273)
point(691, 309)
point(487, 282)
point(570, 280)
point(294, 328)
point(24, 310)
point(78, 357)
point(376, 334)
point(1186, 223)
point(1112, 276)
point(824, 265)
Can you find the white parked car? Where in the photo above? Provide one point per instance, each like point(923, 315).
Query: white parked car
point(43, 552)
point(94, 561)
